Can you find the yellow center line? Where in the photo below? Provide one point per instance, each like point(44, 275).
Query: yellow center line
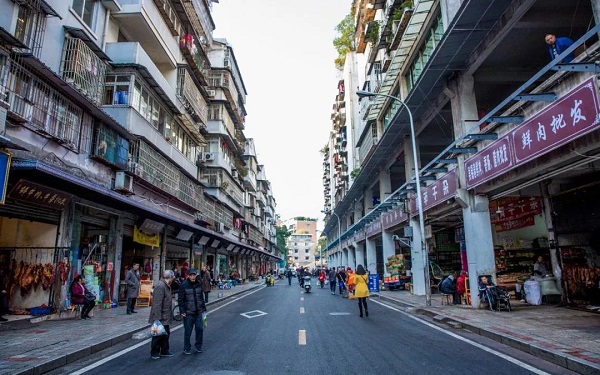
point(302, 310)
point(302, 337)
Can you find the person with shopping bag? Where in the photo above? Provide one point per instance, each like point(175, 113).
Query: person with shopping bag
point(161, 311)
point(361, 289)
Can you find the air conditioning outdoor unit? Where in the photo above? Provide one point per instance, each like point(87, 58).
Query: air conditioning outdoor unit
point(211, 93)
point(200, 160)
point(123, 182)
point(209, 156)
point(218, 227)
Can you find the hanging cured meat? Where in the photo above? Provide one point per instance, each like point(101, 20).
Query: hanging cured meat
point(26, 281)
point(38, 269)
point(47, 275)
point(63, 270)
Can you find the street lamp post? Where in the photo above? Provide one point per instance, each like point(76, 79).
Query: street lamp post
point(362, 93)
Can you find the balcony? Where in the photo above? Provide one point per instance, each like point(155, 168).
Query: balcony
point(188, 93)
point(223, 80)
point(143, 19)
point(197, 61)
point(82, 69)
point(250, 181)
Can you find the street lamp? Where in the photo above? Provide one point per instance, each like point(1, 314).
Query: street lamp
point(362, 93)
point(339, 227)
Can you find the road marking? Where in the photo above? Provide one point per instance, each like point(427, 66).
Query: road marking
point(146, 342)
point(253, 314)
point(302, 310)
point(301, 298)
point(302, 337)
point(475, 344)
point(339, 313)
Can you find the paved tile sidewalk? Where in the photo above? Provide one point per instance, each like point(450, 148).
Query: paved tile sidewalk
point(35, 348)
point(567, 337)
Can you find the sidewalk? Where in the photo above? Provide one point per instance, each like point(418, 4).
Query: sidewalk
point(35, 346)
point(567, 337)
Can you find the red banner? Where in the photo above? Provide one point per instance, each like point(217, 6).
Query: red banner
point(512, 208)
point(515, 224)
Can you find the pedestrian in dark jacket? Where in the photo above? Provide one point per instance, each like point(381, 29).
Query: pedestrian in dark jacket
point(161, 310)
point(332, 283)
point(448, 287)
point(133, 287)
point(206, 283)
point(556, 46)
point(191, 307)
point(341, 277)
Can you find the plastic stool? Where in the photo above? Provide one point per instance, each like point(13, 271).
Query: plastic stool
point(446, 299)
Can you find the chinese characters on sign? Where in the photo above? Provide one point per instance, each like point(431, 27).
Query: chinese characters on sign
point(514, 224)
point(359, 235)
point(440, 191)
point(373, 228)
point(41, 195)
point(393, 217)
point(572, 116)
point(513, 208)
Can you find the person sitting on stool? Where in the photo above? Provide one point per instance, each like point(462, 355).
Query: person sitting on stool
point(539, 268)
point(448, 287)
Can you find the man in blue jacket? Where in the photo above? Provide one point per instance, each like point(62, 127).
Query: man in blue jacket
point(556, 46)
point(448, 287)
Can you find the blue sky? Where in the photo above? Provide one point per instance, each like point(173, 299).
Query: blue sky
point(285, 54)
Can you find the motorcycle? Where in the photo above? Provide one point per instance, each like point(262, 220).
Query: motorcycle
point(307, 284)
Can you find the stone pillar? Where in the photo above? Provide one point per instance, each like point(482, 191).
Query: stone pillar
point(368, 200)
point(388, 246)
point(385, 185)
point(352, 257)
point(596, 11)
point(418, 268)
point(115, 251)
point(360, 253)
point(344, 257)
point(358, 210)
point(371, 258)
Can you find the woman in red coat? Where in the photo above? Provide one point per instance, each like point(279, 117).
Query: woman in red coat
point(78, 291)
point(460, 284)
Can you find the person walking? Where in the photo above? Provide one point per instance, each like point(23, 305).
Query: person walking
point(133, 287)
point(191, 307)
point(289, 275)
point(332, 277)
point(206, 283)
point(78, 292)
point(161, 310)
point(361, 289)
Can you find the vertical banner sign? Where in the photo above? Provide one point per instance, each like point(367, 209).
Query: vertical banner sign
point(374, 283)
point(5, 157)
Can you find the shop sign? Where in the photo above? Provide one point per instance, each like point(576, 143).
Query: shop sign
point(373, 228)
point(5, 157)
point(459, 234)
point(440, 191)
point(359, 235)
point(393, 217)
point(512, 208)
point(151, 226)
point(514, 224)
point(574, 115)
point(145, 238)
point(40, 195)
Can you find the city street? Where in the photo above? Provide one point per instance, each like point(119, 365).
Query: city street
point(280, 329)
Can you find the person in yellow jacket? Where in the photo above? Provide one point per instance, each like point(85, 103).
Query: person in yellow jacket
point(361, 289)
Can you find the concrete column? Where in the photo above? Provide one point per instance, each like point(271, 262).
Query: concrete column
point(358, 210)
point(352, 257)
point(417, 266)
point(368, 200)
point(360, 253)
point(115, 250)
point(449, 9)
point(344, 257)
point(554, 256)
point(596, 11)
point(385, 185)
point(371, 259)
point(388, 246)
point(478, 240)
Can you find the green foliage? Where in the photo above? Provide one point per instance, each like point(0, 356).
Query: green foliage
point(373, 32)
point(355, 172)
point(344, 42)
point(282, 233)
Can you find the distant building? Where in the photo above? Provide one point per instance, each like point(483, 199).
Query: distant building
point(302, 244)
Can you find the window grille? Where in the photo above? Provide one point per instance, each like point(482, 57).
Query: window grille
point(110, 147)
point(157, 169)
point(191, 96)
point(82, 69)
point(31, 26)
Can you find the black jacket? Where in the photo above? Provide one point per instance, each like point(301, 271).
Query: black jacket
point(191, 298)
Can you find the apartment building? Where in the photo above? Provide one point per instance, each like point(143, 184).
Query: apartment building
point(121, 127)
point(302, 243)
point(475, 140)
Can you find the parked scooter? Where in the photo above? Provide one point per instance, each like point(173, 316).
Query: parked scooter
point(307, 284)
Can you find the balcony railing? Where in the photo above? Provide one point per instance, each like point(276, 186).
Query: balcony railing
point(367, 146)
point(82, 69)
point(196, 60)
point(191, 96)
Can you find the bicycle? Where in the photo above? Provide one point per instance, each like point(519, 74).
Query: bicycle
point(176, 314)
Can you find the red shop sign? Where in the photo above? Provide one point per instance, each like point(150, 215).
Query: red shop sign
point(512, 208)
point(515, 224)
point(440, 191)
point(393, 217)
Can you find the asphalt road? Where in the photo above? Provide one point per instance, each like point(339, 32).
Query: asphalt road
point(281, 330)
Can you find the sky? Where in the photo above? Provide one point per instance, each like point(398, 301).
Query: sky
point(284, 50)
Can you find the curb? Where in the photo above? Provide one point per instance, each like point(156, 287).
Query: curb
point(554, 356)
point(63, 360)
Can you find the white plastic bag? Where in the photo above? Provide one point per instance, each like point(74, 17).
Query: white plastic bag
point(204, 318)
point(158, 329)
point(533, 293)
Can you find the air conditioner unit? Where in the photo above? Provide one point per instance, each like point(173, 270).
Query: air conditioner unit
point(218, 227)
point(123, 182)
point(200, 160)
point(136, 168)
point(211, 93)
point(209, 156)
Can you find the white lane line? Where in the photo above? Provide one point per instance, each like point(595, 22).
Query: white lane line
point(302, 337)
point(301, 298)
point(302, 310)
point(147, 341)
point(475, 344)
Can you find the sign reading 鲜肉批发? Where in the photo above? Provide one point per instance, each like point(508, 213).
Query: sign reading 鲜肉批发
point(4, 168)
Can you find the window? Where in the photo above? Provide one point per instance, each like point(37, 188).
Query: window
point(30, 28)
point(85, 10)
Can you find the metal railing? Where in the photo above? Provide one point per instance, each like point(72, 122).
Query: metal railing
point(191, 96)
point(82, 69)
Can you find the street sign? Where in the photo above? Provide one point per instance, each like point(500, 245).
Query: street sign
point(374, 283)
point(4, 168)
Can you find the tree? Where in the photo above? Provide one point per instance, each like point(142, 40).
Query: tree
point(282, 234)
point(344, 42)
